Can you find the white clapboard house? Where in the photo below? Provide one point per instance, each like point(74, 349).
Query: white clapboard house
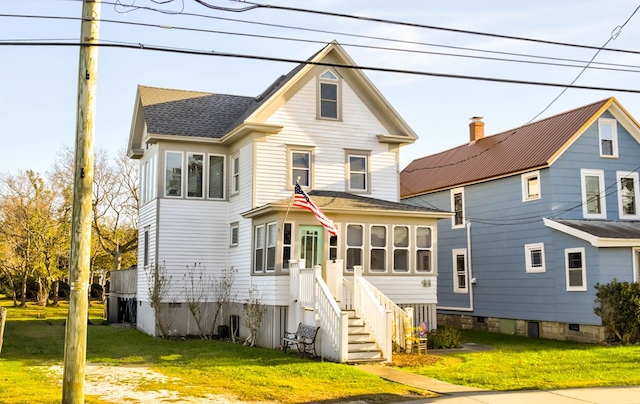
point(217, 177)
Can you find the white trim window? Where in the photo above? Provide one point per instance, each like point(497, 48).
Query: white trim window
point(258, 248)
point(354, 245)
point(608, 136)
point(636, 264)
point(328, 96)
point(358, 172)
point(593, 195)
point(534, 258)
point(378, 252)
point(400, 249)
point(216, 185)
point(628, 195)
point(460, 278)
point(301, 167)
point(272, 242)
point(234, 232)
point(195, 175)
point(173, 174)
point(457, 206)
point(424, 248)
point(235, 174)
point(530, 186)
point(575, 265)
point(265, 241)
point(145, 248)
point(286, 245)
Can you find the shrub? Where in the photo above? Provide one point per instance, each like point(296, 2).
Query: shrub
point(618, 305)
point(444, 338)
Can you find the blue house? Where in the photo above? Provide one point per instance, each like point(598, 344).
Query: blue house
point(543, 213)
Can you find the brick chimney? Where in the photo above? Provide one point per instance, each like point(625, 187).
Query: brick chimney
point(476, 128)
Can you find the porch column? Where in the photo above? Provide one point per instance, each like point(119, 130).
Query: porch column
point(334, 274)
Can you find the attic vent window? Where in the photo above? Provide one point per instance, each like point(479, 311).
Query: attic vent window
point(328, 99)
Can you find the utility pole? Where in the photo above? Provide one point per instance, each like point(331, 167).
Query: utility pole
point(75, 342)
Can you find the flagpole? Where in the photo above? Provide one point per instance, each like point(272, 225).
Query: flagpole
point(293, 195)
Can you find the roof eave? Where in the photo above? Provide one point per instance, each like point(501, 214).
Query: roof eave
point(397, 139)
point(271, 208)
point(590, 238)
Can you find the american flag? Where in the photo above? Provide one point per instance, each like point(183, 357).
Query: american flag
point(302, 200)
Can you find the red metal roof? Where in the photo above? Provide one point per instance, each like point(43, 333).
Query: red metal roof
point(523, 148)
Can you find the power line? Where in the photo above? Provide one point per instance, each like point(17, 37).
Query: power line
point(633, 69)
point(298, 61)
point(254, 6)
point(614, 34)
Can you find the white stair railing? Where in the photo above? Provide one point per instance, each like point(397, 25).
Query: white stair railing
point(378, 319)
point(333, 322)
point(402, 320)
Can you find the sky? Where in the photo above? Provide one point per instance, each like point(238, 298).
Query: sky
point(38, 84)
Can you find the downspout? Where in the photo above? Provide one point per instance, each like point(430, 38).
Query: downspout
point(472, 280)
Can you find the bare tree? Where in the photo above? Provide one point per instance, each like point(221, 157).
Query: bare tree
point(223, 293)
point(197, 285)
point(159, 286)
point(253, 315)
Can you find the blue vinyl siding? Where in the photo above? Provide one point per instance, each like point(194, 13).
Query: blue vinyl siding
point(501, 225)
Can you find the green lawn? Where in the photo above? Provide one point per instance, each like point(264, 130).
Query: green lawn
point(527, 363)
point(195, 368)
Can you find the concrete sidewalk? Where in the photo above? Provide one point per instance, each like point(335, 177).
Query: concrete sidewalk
point(454, 394)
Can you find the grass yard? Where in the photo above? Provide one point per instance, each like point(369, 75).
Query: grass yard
point(34, 345)
point(519, 363)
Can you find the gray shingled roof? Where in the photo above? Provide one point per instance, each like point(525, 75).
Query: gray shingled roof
point(193, 113)
point(334, 200)
point(610, 229)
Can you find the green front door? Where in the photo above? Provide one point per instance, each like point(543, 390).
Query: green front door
point(311, 246)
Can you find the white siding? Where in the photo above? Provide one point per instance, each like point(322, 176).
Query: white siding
point(274, 290)
point(358, 130)
point(407, 289)
point(146, 220)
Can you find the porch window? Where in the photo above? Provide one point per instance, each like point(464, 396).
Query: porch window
point(333, 248)
point(576, 270)
point(460, 271)
point(272, 239)
point(423, 249)
point(195, 177)
point(258, 253)
point(401, 249)
point(286, 245)
point(216, 177)
point(628, 195)
point(173, 174)
point(354, 245)
point(378, 255)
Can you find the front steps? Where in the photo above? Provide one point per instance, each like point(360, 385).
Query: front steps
point(362, 346)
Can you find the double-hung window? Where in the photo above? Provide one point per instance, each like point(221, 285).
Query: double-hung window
point(216, 177)
point(593, 194)
point(576, 269)
point(457, 206)
point(235, 174)
point(286, 245)
point(195, 175)
point(173, 174)
point(608, 134)
point(234, 230)
point(378, 242)
point(301, 167)
point(460, 271)
point(358, 172)
point(355, 239)
point(534, 257)
point(530, 186)
point(400, 249)
point(329, 96)
point(628, 195)
point(265, 240)
point(423, 249)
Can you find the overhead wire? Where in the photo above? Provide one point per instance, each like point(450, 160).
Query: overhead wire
point(299, 61)
point(629, 69)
